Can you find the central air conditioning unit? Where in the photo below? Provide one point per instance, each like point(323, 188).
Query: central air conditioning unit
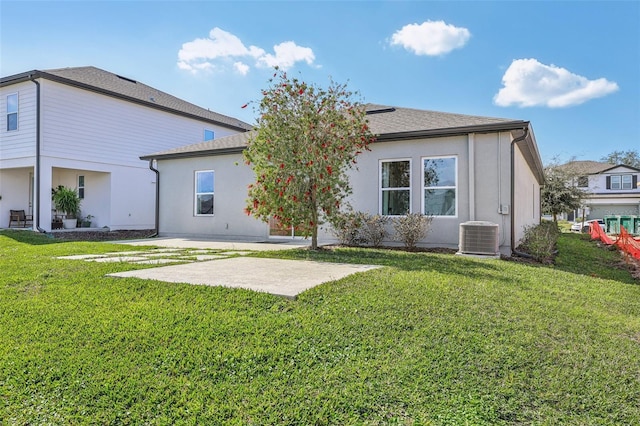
point(478, 237)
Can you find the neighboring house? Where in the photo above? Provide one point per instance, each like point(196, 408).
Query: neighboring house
point(611, 189)
point(86, 128)
point(489, 170)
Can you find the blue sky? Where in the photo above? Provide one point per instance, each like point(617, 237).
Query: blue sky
point(571, 68)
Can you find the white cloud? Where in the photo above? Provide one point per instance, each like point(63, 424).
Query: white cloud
point(222, 47)
point(431, 38)
point(287, 54)
point(242, 68)
point(527, 83)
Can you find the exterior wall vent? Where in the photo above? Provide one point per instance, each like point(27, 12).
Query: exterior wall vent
point(478, 237)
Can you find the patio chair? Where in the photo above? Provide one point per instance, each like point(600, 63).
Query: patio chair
point(19, 217)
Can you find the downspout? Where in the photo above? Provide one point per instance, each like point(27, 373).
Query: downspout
point(37, 178)
point(157, 215)
point(513, 192)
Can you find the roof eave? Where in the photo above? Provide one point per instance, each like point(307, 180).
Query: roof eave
point(19, 78)
point(452, 131)
point(192, 154)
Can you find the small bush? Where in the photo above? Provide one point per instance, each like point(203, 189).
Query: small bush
point(540, 241)
point(411, 228)
point(347, 227)
point(373, 229)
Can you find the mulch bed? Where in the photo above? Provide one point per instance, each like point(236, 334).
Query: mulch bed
point(100, 235)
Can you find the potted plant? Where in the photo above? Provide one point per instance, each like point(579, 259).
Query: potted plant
point(85, 222)
point(67, 200)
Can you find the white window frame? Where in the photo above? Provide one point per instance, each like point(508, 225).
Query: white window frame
point(381, 189)
point(16, 112)
point(196, 193)
point(626, 185)
point(455, 187)
point(81, 188)
point(204, 135)
point(616, 180)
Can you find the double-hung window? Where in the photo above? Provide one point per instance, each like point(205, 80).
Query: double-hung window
point(81, 186)
point(395, 187)
point(617, 182)
point(440, 186)
point(583, 181)
point(12, 112)
point(204, 193)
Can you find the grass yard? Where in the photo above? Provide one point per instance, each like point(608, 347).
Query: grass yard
point(429, 339)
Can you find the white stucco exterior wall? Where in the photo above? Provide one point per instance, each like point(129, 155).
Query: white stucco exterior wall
point(483, 190)
point(177, 195)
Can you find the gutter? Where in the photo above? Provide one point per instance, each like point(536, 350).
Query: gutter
point(513, 196)
point(451, 131)
point(37, 179)
point(157, 213)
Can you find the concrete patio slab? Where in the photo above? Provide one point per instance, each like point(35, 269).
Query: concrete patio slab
point(280, 277)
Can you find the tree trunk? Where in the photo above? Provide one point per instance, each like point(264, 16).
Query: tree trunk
point(314, 228)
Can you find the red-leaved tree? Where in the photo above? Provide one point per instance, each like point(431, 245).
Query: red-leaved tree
point(306, 139)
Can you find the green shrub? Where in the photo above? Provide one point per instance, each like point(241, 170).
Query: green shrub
point(347, 227)
point(540, 241)
point(411, 228)
point(373, 229)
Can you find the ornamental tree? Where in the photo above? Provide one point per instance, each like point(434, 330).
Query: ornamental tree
point(306, 139)
point(559, 194)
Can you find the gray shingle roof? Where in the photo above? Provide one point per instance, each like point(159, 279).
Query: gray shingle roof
point(586, 167)
point(387, 120)
point(96, 79)
point(388, 123)
point(228, 144)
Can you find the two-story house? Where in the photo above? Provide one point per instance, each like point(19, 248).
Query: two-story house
point(611, 189)
point(85, 128)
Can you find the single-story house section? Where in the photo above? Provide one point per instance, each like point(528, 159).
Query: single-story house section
point(489, 169)
point(85, 128)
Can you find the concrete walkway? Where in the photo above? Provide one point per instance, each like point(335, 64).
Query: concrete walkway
point(286, 278)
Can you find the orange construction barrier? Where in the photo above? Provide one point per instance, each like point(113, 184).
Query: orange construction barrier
point(597, 233)
point(628, 244)
point(625, 241)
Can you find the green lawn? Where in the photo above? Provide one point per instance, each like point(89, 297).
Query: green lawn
point(429, 339)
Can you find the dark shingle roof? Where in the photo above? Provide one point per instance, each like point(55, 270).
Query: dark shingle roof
point(226, 145)
point(395, 121)
point(96, 79)
point(386, 122)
